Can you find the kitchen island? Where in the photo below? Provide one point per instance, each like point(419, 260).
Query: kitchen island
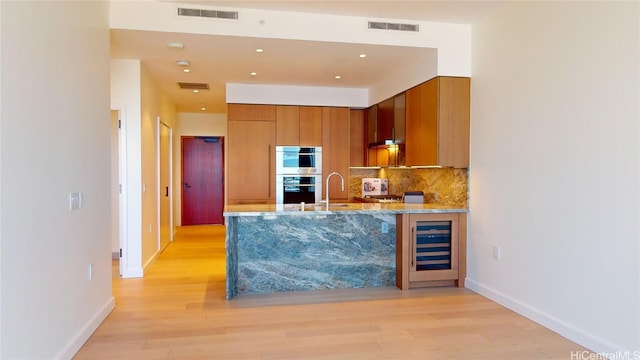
point(272, 248)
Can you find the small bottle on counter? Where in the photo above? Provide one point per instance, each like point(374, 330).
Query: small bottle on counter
point(302, 206)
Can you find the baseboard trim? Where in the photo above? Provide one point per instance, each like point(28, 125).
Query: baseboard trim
point(153, 258)
point(74, 345)
point(552, 323)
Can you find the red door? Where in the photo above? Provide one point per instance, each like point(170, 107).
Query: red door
point(202, 180)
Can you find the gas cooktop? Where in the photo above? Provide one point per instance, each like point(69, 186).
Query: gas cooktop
point(381, 198)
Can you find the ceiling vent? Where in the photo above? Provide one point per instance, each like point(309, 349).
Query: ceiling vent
point(208, 13)
point(393, 26)
point(193, 86)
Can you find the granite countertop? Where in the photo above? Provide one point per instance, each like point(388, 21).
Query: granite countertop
point(338, 208)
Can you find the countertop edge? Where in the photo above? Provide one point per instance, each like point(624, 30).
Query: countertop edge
point(358, 208)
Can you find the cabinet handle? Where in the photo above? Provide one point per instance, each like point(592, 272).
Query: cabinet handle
point(411, 246)
point(270, 177)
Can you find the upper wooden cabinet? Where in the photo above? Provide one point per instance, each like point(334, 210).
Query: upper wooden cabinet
point(357, 144)
point(310, 126)
point(385, 126)
point(287, 125)
point(335, 142)
point(437, 123)
point(251, 112)
point(299, 125)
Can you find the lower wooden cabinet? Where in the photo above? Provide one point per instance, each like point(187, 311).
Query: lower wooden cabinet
point(431, 250)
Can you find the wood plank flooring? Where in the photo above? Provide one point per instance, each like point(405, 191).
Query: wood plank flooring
point(178, 311)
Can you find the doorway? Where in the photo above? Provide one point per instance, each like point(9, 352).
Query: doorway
point(202, 180)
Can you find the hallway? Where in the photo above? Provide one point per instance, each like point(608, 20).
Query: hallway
point(178, 311)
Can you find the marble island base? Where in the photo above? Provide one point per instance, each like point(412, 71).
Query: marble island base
point(310, 251)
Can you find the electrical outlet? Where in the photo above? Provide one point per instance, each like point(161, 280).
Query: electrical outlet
point(384, 227)
point(496, 252)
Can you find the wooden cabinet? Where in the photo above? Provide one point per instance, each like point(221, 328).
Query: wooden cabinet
point(431, 250)
point(372, 120)
point(298, 125)
point(437, 123)
point(251, 112)
point(357, 143)
point(310, 126)
point(385, 126)
point(287, 125)
point(335, 142)
point(399, 116)
point(251, 150)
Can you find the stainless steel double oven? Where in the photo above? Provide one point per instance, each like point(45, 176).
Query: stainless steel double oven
point(298, 174)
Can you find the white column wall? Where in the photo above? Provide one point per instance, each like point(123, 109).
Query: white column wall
point(55, 140)
point(554, 178)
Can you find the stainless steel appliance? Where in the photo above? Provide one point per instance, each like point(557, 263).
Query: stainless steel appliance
point(298, 160)
point(298, 174)
point(294, 189)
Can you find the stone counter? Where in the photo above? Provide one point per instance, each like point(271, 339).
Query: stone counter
point(272, 248)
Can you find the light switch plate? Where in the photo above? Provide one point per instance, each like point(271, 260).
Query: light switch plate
point(75, 200)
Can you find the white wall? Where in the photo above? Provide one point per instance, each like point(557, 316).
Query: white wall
point(54, 137)
point(142, 102)
point(554, 167)
point(156, 106)
point(193, 124)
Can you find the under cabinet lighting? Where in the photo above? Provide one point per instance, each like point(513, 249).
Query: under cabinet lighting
point(337, 77)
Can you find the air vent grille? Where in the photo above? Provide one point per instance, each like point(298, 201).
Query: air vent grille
point(193, 86)
point(393, 26)
point(208, 13)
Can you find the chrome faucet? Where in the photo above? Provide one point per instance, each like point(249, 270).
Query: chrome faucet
point(327, 186)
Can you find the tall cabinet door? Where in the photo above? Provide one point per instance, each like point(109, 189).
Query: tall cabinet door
point(251, 176)
point(335, 141)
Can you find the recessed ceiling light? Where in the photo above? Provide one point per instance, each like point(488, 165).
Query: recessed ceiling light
point(175, 45)
point(186, 70)
point(363, 55)
point(182, 63)
point(259, 50)
point(337, 77)
point(195, 91)
point(254, 73)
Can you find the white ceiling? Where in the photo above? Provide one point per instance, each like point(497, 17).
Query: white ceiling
point(217, 60)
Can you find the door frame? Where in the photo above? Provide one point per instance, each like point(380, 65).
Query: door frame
point(159, 124)
point(122, 196)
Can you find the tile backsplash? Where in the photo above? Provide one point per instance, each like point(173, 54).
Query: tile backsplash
point(446, 186)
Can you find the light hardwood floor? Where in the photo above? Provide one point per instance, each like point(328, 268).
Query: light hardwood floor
point(178, 311)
